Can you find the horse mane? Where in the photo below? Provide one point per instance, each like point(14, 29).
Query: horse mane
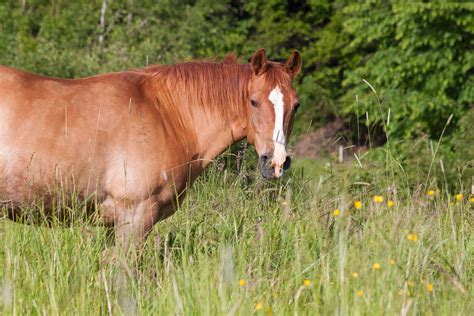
point(209, 84)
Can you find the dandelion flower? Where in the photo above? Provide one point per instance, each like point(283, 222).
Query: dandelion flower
point(458, 197)
point(307, 282)
point(392, 262)
point(336, 213)
point(376, 266)
point(471, 199)
point(258, 306)
point(429, 287)
point(358, 204)
point(360, 293)
point(355, 275)
point(242, 282)
point(390, 203)
point(430, 192)
point(377, 199)
point(412, 237)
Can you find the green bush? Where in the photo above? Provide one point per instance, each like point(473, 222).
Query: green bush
point(418, 57)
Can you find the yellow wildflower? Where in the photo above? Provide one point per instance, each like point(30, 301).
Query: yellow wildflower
point(355, 275)
point(258, 306)
point(429, 287)
point(376, 266)
point(390, 203)
point(471, 199)
point(392, 262)
point(459, 197)
point(358, 204)
point(360, 293)
point(242, 282)
point(412, 237)
point(307, 282)
point(430, 192)
point(336, 213)
point(377, 199)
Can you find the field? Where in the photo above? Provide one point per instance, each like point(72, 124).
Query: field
point(387, 231)
point(316, 242)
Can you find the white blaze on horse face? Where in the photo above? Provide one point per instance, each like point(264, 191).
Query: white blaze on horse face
point(279, 151)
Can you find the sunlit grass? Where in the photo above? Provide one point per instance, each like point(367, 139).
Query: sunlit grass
point(243, 246)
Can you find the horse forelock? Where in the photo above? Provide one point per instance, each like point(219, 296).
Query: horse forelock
point(276, 74)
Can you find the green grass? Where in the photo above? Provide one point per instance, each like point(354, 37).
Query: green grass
point(274, 236)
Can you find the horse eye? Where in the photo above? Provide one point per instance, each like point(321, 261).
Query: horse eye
point(296, 106)
point(253, 103)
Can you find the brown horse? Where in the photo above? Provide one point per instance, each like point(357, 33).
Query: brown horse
point(134, 139)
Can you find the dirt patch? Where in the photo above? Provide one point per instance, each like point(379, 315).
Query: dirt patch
point(325, 141)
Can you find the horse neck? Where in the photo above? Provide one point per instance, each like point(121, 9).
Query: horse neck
point(208, 101)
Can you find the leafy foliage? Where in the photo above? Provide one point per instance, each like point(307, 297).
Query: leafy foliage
point(418, 55)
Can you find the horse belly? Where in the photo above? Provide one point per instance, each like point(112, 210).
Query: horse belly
point(33, 182)
point(44, 169)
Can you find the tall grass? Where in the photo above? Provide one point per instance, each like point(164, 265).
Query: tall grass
point(239, 245)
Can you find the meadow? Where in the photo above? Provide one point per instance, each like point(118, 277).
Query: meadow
point(388, 231)
point(315, 242)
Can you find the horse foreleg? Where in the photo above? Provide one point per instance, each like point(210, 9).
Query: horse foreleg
point(132, 224)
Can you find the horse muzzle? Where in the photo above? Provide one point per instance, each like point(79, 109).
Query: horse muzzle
point(270, 171)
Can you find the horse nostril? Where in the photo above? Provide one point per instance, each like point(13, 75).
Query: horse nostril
point(287, 163)
point(266, 169)
point(264, 159)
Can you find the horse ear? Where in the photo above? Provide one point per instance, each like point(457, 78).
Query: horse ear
point(294, 63)
point(258, 62)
